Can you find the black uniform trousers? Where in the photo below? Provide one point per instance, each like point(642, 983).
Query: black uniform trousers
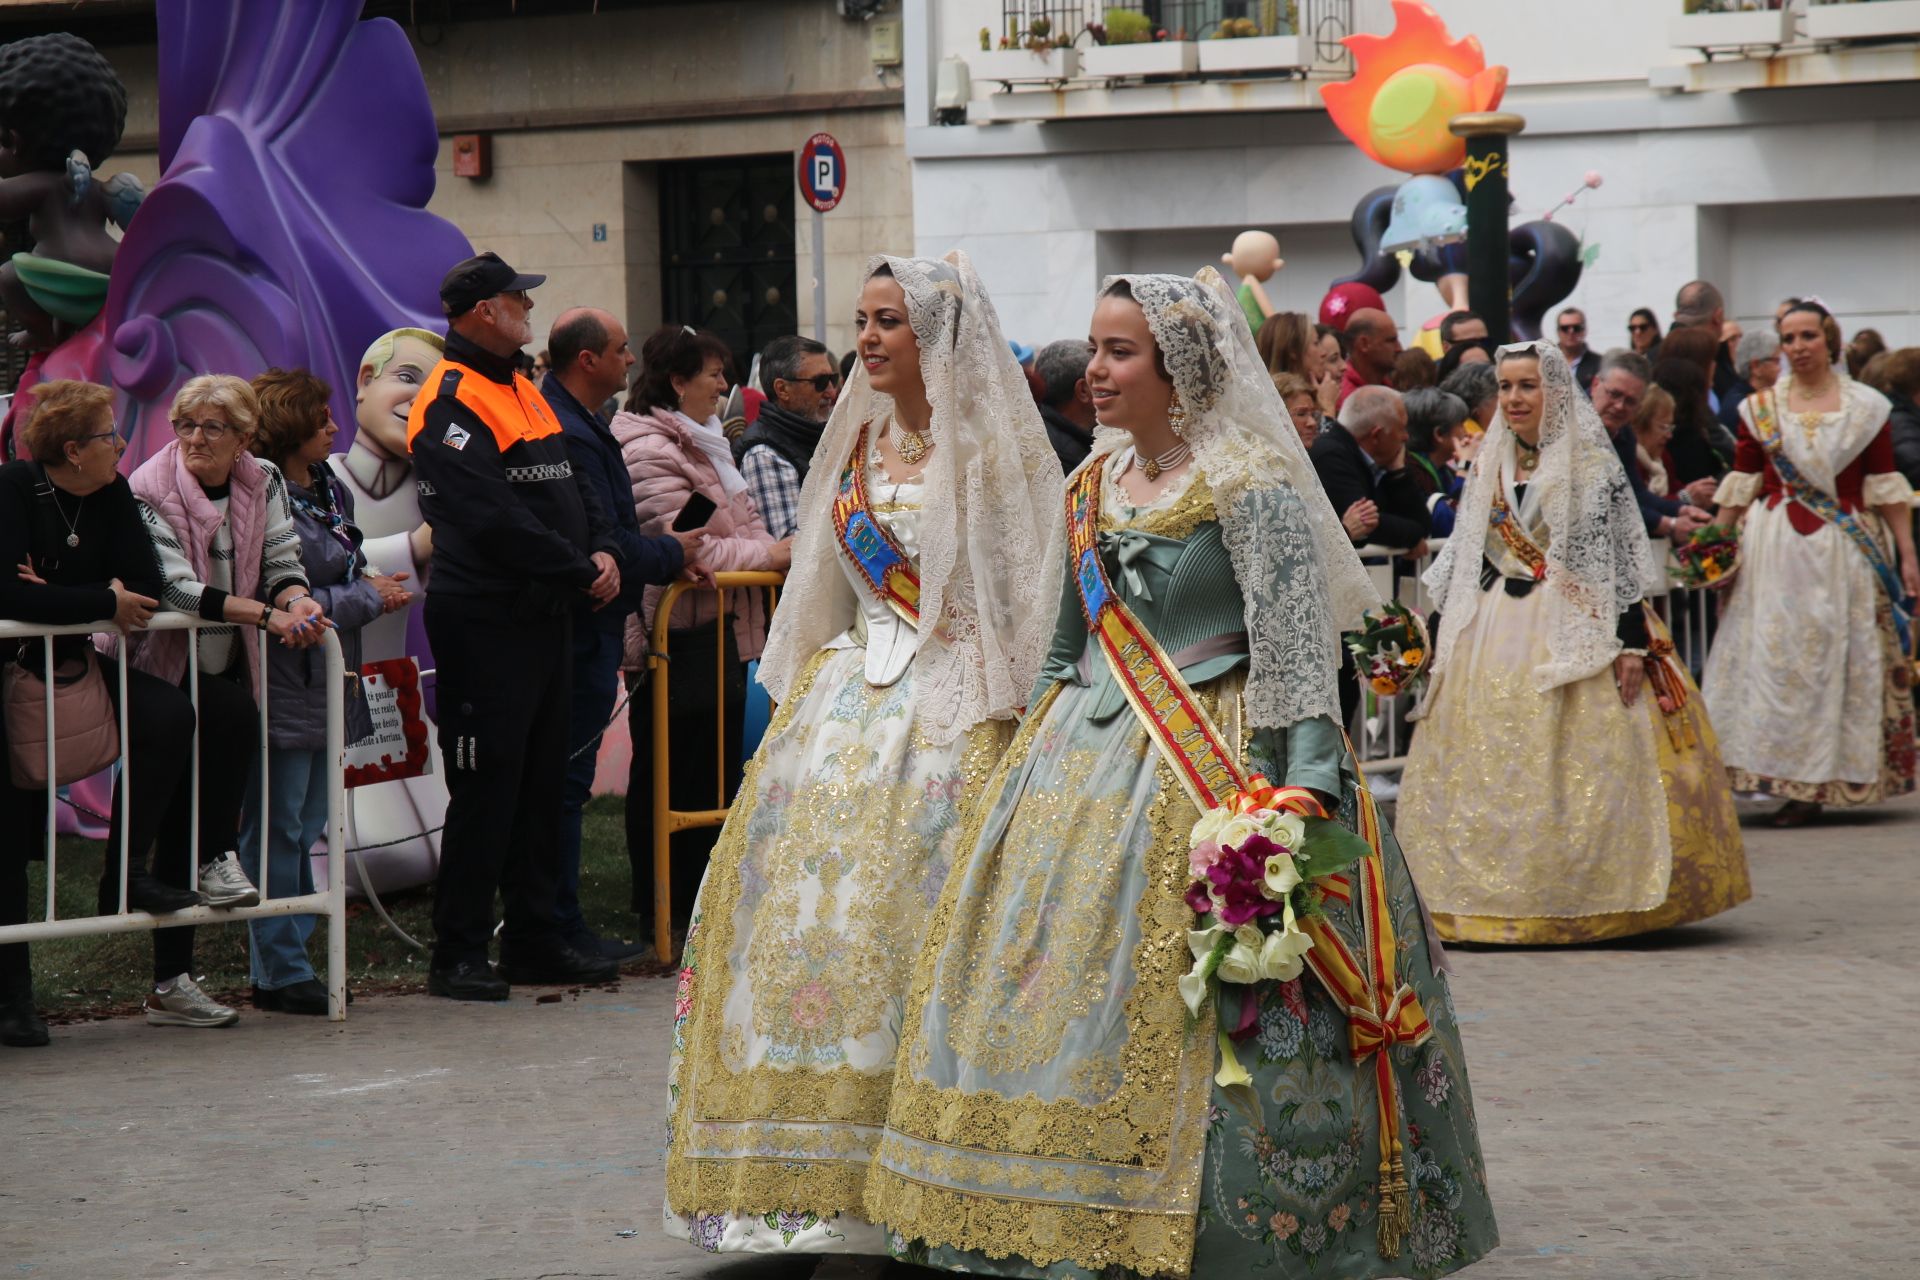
point(504, 696)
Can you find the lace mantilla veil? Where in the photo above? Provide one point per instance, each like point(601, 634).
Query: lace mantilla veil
point(992, 533)
point(1272, 509)
point(1598, 559)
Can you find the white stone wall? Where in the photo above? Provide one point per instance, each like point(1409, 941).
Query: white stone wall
point(1767, 192)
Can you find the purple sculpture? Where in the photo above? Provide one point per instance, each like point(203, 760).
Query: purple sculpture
point(289, 225)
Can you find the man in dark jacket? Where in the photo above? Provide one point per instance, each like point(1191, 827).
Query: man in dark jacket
point(515, 543)
point(1363, 458)
point(589, 362)
point(1067, 406)
point(775, 452)
point(1617, 391)
point(1362, 461)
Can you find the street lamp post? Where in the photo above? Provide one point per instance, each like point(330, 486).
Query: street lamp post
point(1488, 283)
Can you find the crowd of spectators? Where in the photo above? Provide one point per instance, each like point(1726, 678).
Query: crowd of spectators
point(240, 522)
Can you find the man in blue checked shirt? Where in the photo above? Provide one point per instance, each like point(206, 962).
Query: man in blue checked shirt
point(798, 376)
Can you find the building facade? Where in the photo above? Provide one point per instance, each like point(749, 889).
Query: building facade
point(1776, 152)
point(640, 153)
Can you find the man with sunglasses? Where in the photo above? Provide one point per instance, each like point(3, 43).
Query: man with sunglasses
point(1585, 362)
point(516, 542)
point(798, 376)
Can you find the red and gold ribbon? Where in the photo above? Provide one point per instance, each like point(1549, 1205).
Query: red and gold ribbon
point(1381, 1011)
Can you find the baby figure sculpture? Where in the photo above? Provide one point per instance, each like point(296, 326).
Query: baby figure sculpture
point(1253, 262)
point(62, 109)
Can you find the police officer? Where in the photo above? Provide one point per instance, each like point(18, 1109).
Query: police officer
point(515, 543)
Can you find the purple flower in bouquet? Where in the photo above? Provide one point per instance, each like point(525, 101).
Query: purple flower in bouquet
point(1237, 879)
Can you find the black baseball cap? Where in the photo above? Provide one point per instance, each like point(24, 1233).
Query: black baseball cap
point(477, 279)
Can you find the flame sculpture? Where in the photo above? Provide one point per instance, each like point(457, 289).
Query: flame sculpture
point(1407, 85)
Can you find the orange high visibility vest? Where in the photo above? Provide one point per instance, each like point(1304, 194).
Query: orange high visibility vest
point(513, 413)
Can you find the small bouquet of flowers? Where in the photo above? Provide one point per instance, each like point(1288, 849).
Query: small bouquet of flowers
point(1391, 649)
point(1257, 861)
point(1708, 556)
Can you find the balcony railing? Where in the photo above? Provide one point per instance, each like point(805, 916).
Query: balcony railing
point(1094, 44)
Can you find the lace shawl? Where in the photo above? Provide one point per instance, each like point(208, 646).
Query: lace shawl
point(1598, 559)
point(1272, 509)
point(993, 536)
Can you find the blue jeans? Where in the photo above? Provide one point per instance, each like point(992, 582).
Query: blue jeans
point(296, 818)
point(596, 683)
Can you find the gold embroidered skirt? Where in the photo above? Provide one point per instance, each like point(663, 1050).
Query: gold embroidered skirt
point(1055, 1113)
point(1563, 816)
point(814, 904)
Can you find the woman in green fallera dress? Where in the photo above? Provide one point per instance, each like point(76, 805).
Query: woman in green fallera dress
point(1056, 1110)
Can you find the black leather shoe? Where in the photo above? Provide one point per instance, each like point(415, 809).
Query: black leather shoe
point(307, 997)
point(467, 980)
point(146, 893)
point(592, 944)
point(620, 952)
point(20, 1024)
point(554, 964)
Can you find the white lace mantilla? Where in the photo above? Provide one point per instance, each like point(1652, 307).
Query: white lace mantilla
point(1272, 510)
point(1598, 559)
point(992, 529)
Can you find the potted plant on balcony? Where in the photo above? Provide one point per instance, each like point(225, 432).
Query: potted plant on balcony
point(1863, 20)
point(1726, 24)
point(1242, 44)
point(1126, 44)
point(1035, 52)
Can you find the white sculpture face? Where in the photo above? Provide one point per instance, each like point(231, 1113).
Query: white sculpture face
point(384, 399)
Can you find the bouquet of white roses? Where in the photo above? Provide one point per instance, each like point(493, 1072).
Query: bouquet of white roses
point(1256, 860)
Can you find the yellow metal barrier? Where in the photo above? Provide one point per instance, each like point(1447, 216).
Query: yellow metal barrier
point(667, 819)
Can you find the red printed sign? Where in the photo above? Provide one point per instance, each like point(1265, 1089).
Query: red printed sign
point(823, 172)
point(397, 747)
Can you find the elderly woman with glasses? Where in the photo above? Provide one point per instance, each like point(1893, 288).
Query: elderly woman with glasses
point(221, 523)
point(295, 435)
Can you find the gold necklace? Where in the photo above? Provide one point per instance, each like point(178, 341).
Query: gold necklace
point(1529, 456)
point(912, 446)
point(1810, 419)
point(1153, 468)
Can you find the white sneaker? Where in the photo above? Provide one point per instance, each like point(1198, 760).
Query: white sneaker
point(224, 884)
point(181, 1003)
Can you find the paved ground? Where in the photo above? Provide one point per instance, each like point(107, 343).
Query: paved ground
point(1733, 1100)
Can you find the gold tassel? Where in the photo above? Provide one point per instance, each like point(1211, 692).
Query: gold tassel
point(1396, 1208)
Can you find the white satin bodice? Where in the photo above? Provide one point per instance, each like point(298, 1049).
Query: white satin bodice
point(889, 639)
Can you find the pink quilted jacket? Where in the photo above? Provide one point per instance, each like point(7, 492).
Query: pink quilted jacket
point(666, 468)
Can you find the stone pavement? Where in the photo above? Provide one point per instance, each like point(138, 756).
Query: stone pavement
point(1734, 1099)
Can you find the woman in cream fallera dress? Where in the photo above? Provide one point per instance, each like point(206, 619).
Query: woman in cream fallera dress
point(1538, 806)
point(890, 716)
point(1807, 677)
point(1056, 1112)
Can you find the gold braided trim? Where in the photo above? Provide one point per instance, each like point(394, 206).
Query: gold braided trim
point(1189, 511)
point(1147, 1141)
point(758, 1186)
point(773, 1137)
point(1151, 1244)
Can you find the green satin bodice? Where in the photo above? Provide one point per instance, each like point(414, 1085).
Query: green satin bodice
point(1170, 566)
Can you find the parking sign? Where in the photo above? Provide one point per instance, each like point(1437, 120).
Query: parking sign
point(823, 172)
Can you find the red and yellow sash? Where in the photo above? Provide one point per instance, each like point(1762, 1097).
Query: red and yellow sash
point(1381, 1011)
point(887, 570)
point(1503, 522)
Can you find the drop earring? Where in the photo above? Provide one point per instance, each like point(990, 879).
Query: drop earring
point(1177, 415)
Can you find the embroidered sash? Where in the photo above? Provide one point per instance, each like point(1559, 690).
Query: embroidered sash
point(868, 547)
point(1381, 1011)
point(1766, 429)
point(1502, 521)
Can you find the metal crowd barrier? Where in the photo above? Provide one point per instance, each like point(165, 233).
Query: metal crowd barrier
point(1380, 729)
point(667, 819)
point(330, 902)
